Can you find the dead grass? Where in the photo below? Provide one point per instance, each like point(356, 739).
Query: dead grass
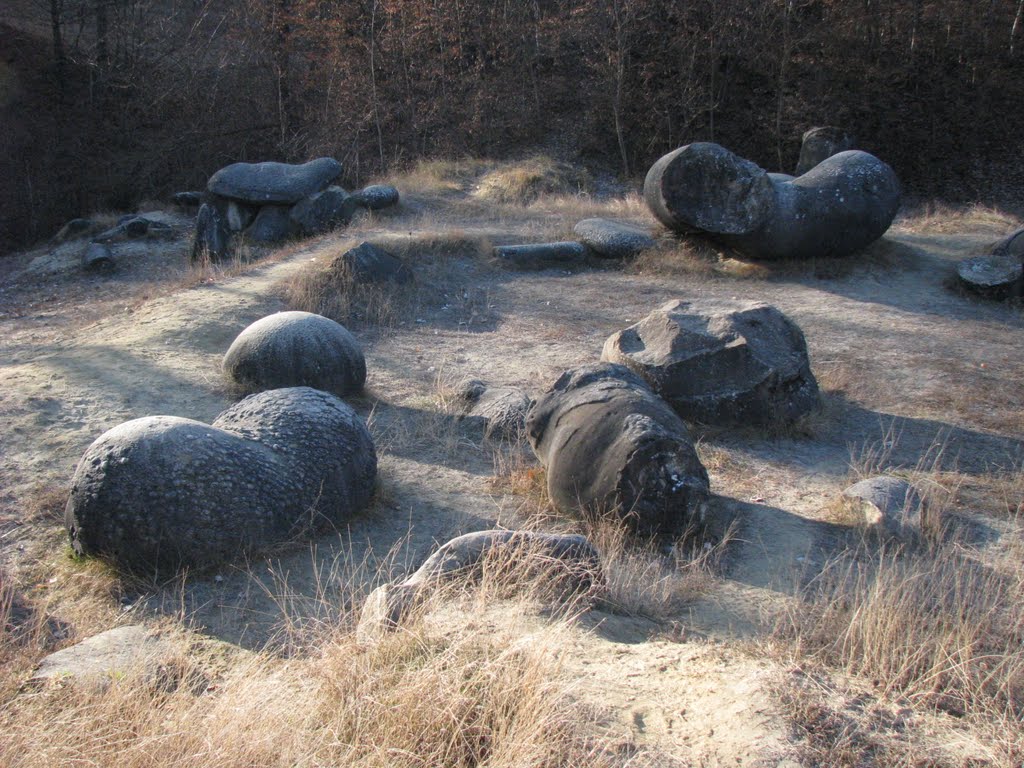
point(443, 264)
point(449, 693)
point(935, 627)
point(523, 182)
point(943, 218)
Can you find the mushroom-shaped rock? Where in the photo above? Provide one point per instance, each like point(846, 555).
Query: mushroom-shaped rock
point(369, 263)
point(501, 410)
point(567, 564)
point(294, 349)
point(721, 362)
point(610, 445)
point(376, 197)
point(821, 143)
point(998, 272)
point(323, 211)
point(841, 205)
point(280, 183)
point(613, 239)
point(212, 236)
point(272, 224)
point(162, 493)
point(888, 504)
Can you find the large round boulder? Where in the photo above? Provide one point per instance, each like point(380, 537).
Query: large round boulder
point(611, 446)
point(721, 362)
point(162, 493)
point(296, 349)
point(837, 208)
point(280, 183)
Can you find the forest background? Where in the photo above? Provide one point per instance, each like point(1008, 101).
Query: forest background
point(105, 103)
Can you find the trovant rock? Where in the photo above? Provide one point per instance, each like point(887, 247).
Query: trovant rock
point(295, 349)
point(270, 182)
point(721, 362)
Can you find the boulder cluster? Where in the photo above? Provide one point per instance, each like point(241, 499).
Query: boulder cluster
point(270, 202)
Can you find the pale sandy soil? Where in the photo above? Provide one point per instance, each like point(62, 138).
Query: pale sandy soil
point(907, 364)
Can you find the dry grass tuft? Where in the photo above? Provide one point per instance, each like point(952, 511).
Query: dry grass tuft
point(523, 182)
point(443, 264)
point(436, 693)
point(943, 218)
point(936, 627)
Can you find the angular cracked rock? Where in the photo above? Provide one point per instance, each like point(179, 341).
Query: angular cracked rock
point(721, 362)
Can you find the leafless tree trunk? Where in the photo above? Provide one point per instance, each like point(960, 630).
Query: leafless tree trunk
point(1016, 24)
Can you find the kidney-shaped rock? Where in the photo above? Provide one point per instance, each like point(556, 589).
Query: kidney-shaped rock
point(161, 493)
point(720, 362)
point(296, 349)
point(270, 182)
point(610, 445)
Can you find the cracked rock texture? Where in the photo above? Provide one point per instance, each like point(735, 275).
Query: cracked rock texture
point(160, 493)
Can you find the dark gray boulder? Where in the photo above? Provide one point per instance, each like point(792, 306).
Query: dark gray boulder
point(187, 200)
point(540, 255)
point(705, 187)
point(890, 505)
point(369, 263)
point(98, 258)
point(296, 349)
point(610, 445)
point(841, 205)
point(162, 493)
point(376, 197)
point(212, 237)
point(272, 224)
point(721, 362)
point(278, 183)
point(821, 143)
point(323, 211)
point(613, 239)
point(501, 411)
point(997, 272)
point(568, 563)
point(128, 227)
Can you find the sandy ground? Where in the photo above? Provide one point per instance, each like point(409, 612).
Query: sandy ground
point(908, 365)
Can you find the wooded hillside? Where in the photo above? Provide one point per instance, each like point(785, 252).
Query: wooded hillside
point(108, 102)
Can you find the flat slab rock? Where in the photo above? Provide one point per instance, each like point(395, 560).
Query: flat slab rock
point(721, 362)
point(500, 410)
point(103, 657)
point(270, 182)
point(613, 239)
point(998, 272)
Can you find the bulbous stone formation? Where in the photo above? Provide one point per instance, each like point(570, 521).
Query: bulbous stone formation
point(610, 445)
point(721, 362)
point(323, 211)
point(212, 236)
point(838, 207)
point(376, 197)
point(271, 225)
point(501, 410)
point(821, 143)
point(570, 564)
point(888, 504)
point(998, 272)
point(296, 349)
point(162, 493)
point(269, 182)
point(613, 239)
